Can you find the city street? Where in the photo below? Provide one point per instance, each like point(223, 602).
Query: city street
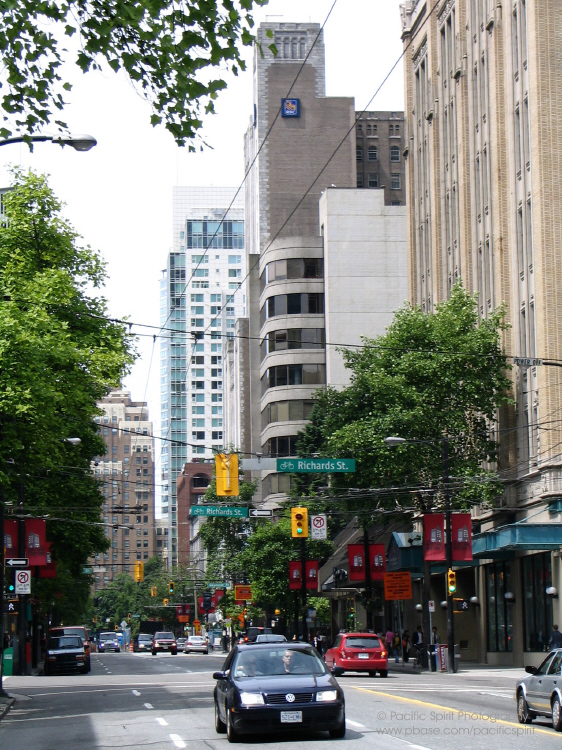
point(140, 701)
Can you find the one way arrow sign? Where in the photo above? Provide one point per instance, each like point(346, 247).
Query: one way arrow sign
point(257, 512)
point(16, 562)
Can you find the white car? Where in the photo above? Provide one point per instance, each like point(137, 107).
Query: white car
point(196, 643)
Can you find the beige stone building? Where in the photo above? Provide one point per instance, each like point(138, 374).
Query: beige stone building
point(127, 473)
point(483, 162)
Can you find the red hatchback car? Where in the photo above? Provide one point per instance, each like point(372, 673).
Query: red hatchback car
point(358, 652)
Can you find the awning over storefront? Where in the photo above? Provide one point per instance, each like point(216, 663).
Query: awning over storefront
point(517, 537)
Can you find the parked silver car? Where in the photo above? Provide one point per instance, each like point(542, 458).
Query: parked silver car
point(540, 694)
point(196, 643)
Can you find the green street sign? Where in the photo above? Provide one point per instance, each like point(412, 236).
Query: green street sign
point(86, 571)
point(316, 465)
point(218, 510)
point(135, 617)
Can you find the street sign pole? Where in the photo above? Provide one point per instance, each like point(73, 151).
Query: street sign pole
point(2, 693)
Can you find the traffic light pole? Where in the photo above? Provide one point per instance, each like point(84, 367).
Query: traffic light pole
point(2, 644)
point(303, 589)
point(451, 666)
point(22, 614)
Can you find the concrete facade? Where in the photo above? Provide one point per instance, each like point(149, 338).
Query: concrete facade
point(365, 271)
point(484, 149)
point(127, 473)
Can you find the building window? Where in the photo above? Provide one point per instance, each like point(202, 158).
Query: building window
point(283, 375)
point(359, 179)
point(198, 435)
point(197, 297)
point(359, 129)
point(235, 259)
point(373, 180)
point(282, 446)
point(537, 605)
point(500, 626)
point(292, 304)
point(394, 153)
point(234, 273)
point(373, 153)
point(216, 436)
point(359, 153)
point(292, 338)
point(395, 182)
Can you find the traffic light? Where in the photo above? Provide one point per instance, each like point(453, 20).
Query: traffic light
point(10, 577)
point(451, 581)
point(129, 618)
point(245, 613)
point(171, 588)
point(226, 471)
point(165, 602)
point(207, 602)
point(299, 522)
point(139, 571)
point(153, 591)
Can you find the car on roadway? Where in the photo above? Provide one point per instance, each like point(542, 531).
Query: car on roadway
point(164, 640)
point(75, 630)
point(65, 653)
point(108, 641)
point(270, 638)
point(196, 643)
point(540, 694)
point(276, 687)
point(143, 642)
point(358, 652)
point(181, 643)
point(253, 631)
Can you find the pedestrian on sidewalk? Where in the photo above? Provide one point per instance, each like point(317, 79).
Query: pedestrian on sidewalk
point(433, 648)
point(396, 646)
point(418, 645)
point(555, 640)
point(406, 644)
point(388, 637)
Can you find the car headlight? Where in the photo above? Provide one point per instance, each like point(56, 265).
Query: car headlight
point(251, 699)
point(327, 695)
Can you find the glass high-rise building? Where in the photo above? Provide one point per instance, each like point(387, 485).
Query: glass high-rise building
point(200, 299)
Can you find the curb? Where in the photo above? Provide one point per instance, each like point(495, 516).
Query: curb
point(6, 706)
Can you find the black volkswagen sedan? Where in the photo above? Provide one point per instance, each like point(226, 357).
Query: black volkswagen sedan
point(273, 687)
point(65, 654)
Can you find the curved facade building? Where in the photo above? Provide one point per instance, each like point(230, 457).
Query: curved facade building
point(292, 350)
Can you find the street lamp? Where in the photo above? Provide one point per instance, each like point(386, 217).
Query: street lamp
point(81, 142)
point(394, 441)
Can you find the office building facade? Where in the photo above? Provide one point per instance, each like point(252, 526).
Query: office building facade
point(484, 147)
point(201, 296)
point(126, 472)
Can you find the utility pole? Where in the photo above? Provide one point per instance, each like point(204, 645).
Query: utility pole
point(22, 614)
point(368, 579)
point(303, 589)
point(2, 644)
point(451, 666)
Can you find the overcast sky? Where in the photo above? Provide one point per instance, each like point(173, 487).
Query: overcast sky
point(119, 195)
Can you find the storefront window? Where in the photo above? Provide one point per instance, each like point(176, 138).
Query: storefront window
point(498, 583)
point(537, 577)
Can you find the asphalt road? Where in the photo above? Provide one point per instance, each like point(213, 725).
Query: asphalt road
point(165, 702)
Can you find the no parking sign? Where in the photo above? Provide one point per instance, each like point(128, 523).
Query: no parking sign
point(23, 582)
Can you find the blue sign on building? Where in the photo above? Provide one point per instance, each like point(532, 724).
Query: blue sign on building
point(290, 107)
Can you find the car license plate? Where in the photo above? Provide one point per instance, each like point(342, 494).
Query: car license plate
point(165, 648)
point(363, 656)
point(291, 717)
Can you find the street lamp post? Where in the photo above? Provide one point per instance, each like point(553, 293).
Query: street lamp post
point(80, 142)
point(393, 441)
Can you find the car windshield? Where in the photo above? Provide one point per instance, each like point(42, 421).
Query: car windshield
point(364, 641)
point(196, 638)
point(108, 637)
point(165, 636)
point(145, 637)
point(64, 642)
point(80, 632)
point(279, 661)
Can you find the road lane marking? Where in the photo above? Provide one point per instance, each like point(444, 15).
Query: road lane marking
point(354, 723)
point(177, 740)
point(162, 722)
point(148, 705)
point(458, 711)
point(136, 692)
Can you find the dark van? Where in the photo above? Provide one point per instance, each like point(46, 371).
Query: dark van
point(253, 632)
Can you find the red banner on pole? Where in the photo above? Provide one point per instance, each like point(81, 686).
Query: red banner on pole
point(378, 561)
point(461, 528)
point(356, 559)
point(11, 538)
point(36, 548)
point(311, 574)
point(295, 573)
point(48, 571)
point(434, 536)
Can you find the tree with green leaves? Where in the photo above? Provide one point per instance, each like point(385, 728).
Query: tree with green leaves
point(175, 54)
point(59, 355)
point(429, 376)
